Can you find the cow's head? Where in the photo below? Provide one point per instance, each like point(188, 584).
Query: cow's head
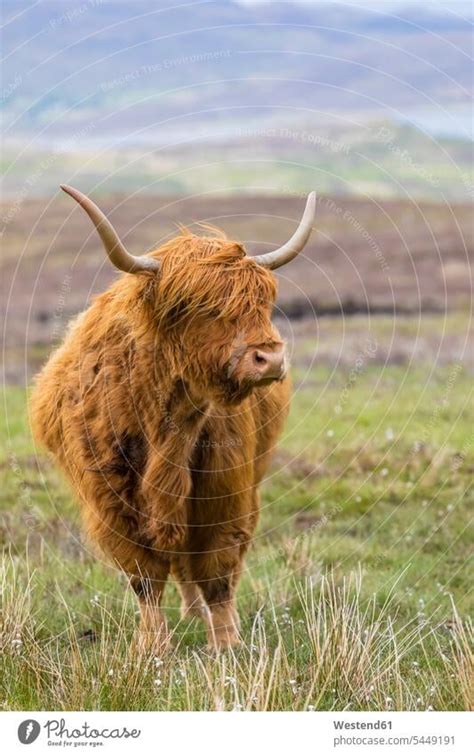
point(210, 305)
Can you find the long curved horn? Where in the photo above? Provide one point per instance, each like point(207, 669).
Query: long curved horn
point(296, 244)
point(116, 251)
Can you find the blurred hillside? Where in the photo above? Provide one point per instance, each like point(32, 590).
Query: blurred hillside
point(134, 64)
point(378, 159)
point(230, 112)
point(367, 259)
point(264, 98)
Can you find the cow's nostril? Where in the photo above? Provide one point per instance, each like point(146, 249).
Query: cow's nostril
point(259, 359)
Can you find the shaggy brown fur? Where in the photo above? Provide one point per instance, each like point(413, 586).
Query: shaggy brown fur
point(164, 441)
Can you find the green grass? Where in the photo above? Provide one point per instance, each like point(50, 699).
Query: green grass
point(356, 593)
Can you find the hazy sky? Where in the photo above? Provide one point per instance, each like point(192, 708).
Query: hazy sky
point(461, 6)
point(382, 4)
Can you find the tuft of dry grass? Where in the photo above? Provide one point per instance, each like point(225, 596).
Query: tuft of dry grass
point(332, 650)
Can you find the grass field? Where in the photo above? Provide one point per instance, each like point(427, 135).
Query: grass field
point(356, 593)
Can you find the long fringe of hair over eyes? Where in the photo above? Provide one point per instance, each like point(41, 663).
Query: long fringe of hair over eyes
point(210, 275)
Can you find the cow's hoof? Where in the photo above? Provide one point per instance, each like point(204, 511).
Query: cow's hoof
point(220, 643)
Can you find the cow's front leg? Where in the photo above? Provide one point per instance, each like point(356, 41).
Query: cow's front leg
point(192, 602)
point(216, 571)
point(152, 634)
point(223, 625)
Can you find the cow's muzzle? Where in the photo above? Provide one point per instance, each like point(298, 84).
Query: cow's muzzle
point(263, 365)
